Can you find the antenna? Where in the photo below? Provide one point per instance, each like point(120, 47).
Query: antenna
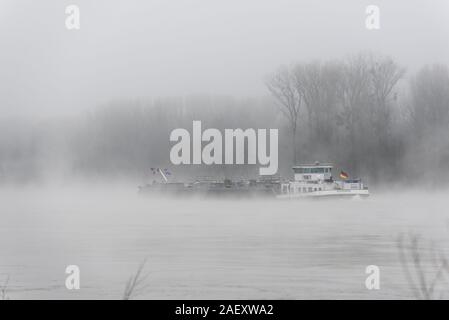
point(163, 175)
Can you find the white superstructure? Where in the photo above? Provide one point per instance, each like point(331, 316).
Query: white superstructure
point(316, 180)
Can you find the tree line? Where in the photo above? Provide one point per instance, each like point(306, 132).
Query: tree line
point(365, 113)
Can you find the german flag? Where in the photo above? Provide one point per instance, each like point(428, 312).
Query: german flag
point(344, 175)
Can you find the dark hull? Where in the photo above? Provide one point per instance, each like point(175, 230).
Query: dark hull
point(213, 190)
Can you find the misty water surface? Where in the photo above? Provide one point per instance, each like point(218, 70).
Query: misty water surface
point(203, 249)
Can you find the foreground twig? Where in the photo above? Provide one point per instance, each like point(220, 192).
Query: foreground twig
point(410, 256)
point(134, 286)
point(3, 290)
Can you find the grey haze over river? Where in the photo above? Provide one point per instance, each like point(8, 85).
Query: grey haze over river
point(211, 249)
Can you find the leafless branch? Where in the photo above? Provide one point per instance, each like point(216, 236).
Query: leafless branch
point(135, 284)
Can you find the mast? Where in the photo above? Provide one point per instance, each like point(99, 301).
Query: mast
point(163, 175)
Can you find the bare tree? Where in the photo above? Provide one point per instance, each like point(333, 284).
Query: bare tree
point(429, 123)
point(384, 76)
point(318, 86)
point(354, 96)
point(430, 98)
point(282, 86)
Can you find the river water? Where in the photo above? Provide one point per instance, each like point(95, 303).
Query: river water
point(211, 249)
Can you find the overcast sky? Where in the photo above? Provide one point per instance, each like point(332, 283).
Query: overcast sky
point(138, 49)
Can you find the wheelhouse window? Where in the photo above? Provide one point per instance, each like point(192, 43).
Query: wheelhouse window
point(311, 170)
